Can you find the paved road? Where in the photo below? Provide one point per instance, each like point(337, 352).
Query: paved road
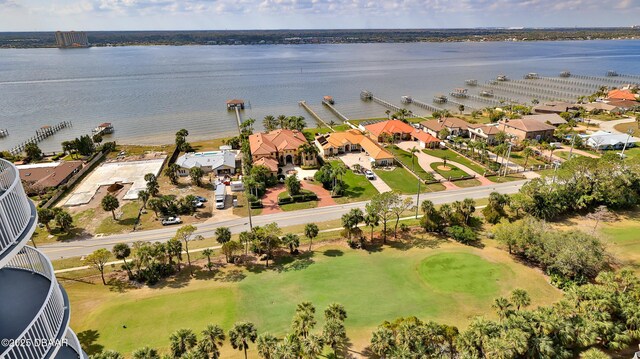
point(284, 219)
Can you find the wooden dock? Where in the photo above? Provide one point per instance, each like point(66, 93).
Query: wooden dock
point(424, 105)
point(4, 132)
point(41, 134)
point(320, 121)
point(338, 114)
point(238, 118)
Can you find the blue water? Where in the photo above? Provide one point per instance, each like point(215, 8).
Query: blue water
point(148, 93)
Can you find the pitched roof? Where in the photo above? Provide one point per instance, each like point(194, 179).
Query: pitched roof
point(235, 101)
point(486, 129)
point(278, 140)
point(352, 137)
point(449, 122)
point(624, 103)
point(268, 162)
point(423, 136)
point(598, 106)
point(214, 159)
point(391, 127)
point(529, 125)
point(50, 175)
point(621, 95)
point(552, 118)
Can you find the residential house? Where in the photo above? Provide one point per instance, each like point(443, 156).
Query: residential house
point(555, 107)
point(602, 140)
point(40, 177)
point(219, 163)
point(601, 106)
point(281, 145)
point(484, 133)
point(400, 131)
point(456, 126)
point(552, 119)
point(527, 129)
point(336, 143)
point(625, 105)
point(621, 95)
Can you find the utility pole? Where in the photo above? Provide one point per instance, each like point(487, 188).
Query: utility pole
point(418, 198)
point(629, 133)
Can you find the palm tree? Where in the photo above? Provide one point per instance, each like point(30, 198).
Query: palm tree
point(338, 171)
point(413, 151)
point(304, 319)
point(267, 345)
point(110, 203)
point(172, 172)
point(372, 220)
point(520, 298)
point(335, 311)
point(122, 251)
point(282, 121)
point(213, 338)
point(143, 195)
point(223, 235)
point(382, 341)
point(145, 353)
point(527, 152)
point(334, 335)
point(311, 231)
point(292, 241)
point(388, 113)
point(312, 346)
point(269, 123)
point(208, 253)
point(182, 341)
point(241, 335)
point(502, 306)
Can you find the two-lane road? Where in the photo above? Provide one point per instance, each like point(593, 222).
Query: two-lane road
point(284, 219)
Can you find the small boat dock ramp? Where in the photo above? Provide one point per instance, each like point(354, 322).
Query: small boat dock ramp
point(329, 99)
point(103, 129)
point(502, 78)
point(459, 93)
point(4, 132)
point(440, 98)
point(531, 76)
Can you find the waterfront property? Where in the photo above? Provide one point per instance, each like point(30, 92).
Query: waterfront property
point(34, 308)
point(337, 143)
point(397, 130)
point(601, 106)
point(283, 146)
point(455, 126)
point(622, 94)
point(220, 163)
point(527, 129)
point(485, 133)
point(555, 107)
point(43, 176)
point(552, 119)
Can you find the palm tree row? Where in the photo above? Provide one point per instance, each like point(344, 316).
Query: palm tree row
point(271, 123)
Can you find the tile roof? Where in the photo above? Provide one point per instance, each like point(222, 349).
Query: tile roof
point(621, 95)
point(449, 122)
point(423, 136)
point(268, 162)
point(486, 129)
point(391, 127)
point(274, 141)
point(338, 139)
point(529, 125)
point(552, 118)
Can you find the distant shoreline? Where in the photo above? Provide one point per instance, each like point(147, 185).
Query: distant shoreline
point(304, 37)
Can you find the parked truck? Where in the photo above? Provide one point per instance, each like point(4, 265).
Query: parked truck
point(221, 193)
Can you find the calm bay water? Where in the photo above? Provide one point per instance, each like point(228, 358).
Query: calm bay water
point(148, 93)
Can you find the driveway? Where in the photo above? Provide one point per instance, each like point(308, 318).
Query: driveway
point(425, 161)
point(324, 196)
point(270, 199)
point(361, 159)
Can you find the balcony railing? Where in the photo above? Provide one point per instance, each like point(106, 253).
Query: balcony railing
point(73, 342)
point(39, 337)
point(16, 212)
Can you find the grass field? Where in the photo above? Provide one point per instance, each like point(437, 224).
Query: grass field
point(358, 187)
point(452, 156)
point(399, 179)
point(624, 241)
point(519, 158)
point(124, 223)
point(453, 171)
point(437, 280)
point(405, 157)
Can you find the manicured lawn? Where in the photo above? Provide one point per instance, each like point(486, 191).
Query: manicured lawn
point(509, 178)
point(446, 282)
point(624, 127)
point(399, 179)
point(467, 183)
point(358, 187)
point(632, 153)
point(452, 156)
point(519, 158)
point(623, 240)
point(298, 205)
point(405, 157)
point(453, 171)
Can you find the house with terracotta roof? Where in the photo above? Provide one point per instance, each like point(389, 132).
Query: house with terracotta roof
point(337, 143)
point(400, 131)
point(527, 129)
point(283, 146)
point(621, 95)
point(456, 126)
point(40, 177)
point(484, 133)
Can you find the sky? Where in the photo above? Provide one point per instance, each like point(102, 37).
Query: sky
point(48, 15)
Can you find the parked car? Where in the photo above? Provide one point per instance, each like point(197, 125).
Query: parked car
point(369, 174)
point(198, 204)
point(171, 220)
point(201, 199)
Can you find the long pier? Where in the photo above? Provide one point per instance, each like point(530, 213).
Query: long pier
point(342, 117)
point(424, 105)
point(238, 118)
point(41, 134)
point(304, 105)
point(470, 107)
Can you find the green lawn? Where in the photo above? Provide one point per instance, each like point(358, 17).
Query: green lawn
point(405, 157)
point(453, 171)
point(399, 179)
point(519, 158)
point(358, 187)
point(453, 156)
point(297, 205)
point(450, 284)
point(623, 240)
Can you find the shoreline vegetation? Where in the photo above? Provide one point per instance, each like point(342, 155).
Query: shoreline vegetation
point(291, 37)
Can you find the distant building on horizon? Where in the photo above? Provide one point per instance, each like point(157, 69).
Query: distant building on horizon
point(65, 39)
